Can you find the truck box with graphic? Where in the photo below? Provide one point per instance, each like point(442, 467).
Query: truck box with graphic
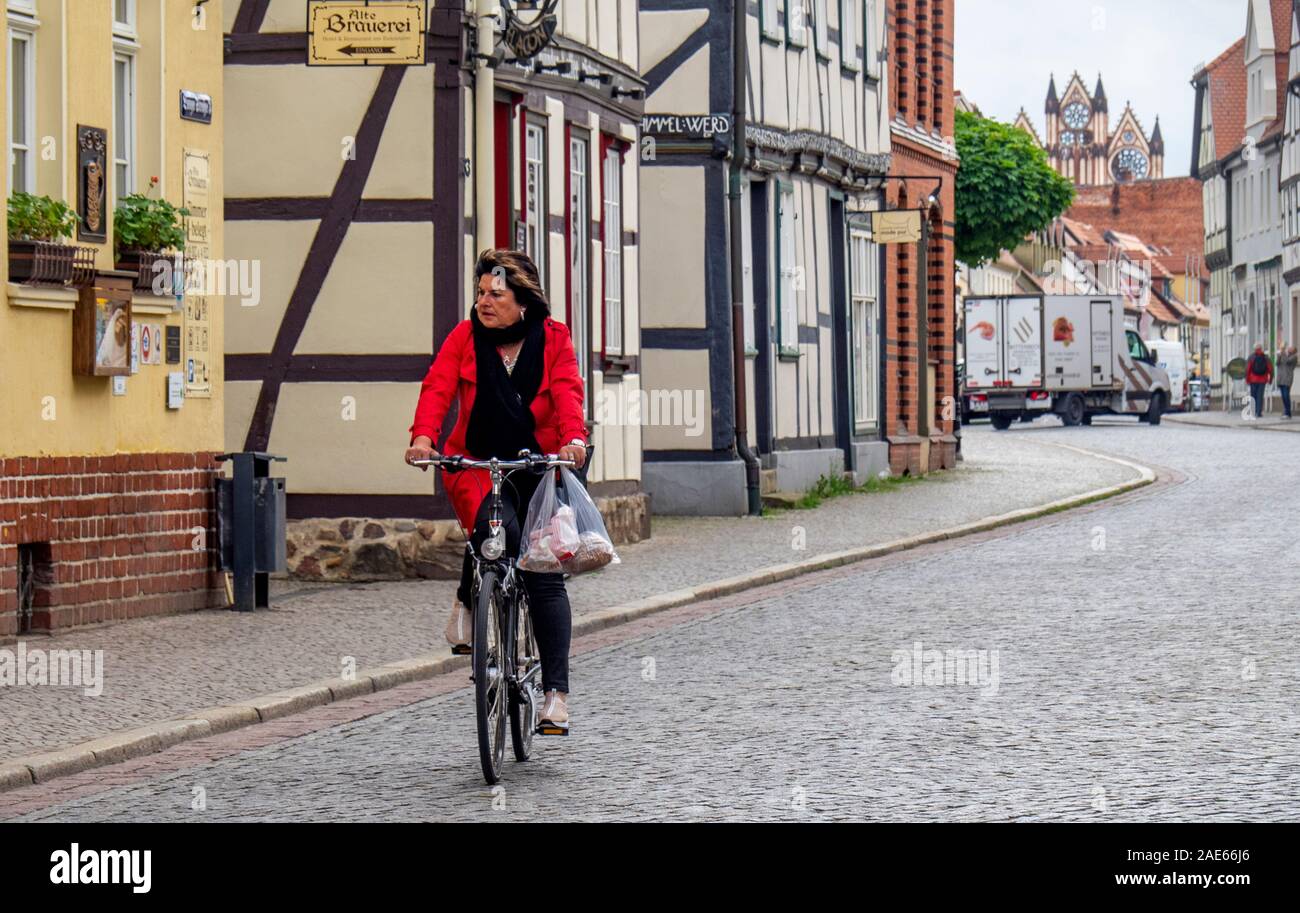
point(1066, 354)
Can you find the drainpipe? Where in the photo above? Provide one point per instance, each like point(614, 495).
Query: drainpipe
point(740, 73)
point(485, 13)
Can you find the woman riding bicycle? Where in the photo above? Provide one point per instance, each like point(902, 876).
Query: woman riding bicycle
point(514, 372)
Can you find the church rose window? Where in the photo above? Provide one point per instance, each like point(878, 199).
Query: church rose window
point(1076, 115)
point(1132, 161)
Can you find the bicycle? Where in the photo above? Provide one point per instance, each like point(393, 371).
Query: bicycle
point(506, 683)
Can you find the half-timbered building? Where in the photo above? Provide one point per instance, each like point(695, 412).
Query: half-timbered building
point(816, 154)
point(358, 188)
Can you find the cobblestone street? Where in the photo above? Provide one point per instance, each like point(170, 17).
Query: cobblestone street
point(1137, 661)
point(157, 669)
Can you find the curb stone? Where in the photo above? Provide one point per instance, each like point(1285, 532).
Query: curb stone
point(145, 740)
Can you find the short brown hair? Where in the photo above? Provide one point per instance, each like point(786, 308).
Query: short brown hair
point(519, 272)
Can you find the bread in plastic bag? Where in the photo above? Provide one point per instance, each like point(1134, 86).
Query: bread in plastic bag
point(564, 532)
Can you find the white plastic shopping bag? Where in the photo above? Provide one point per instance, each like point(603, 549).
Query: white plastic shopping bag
point(564, 532)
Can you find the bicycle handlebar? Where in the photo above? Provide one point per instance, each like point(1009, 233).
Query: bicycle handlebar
point(526, 461)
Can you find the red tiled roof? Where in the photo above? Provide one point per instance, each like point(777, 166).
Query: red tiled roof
point(1227, 86)
point(1160, 312)
point(1176, 307)
point(1282, 12)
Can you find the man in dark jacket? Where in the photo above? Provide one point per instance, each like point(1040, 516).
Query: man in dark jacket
point(1287, 360)
point(1259, 373)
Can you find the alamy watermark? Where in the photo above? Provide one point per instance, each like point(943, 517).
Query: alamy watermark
point(240, 279)
point(946, 668)
point(652, 408)
point(52, 668)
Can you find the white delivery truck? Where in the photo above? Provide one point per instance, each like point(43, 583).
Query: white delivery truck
point(1065, 354)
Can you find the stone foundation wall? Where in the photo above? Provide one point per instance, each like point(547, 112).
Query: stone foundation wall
point(370, 550)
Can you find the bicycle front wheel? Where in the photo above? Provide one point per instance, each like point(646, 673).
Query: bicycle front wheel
point(489, 677)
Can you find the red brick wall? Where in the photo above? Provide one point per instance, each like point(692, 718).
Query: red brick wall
point(921, 46)
point(120, 531)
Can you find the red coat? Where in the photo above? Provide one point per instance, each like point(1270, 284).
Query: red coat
point(1252, 377)
point(557, 407)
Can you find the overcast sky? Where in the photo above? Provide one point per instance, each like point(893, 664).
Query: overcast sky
point(1145, 50)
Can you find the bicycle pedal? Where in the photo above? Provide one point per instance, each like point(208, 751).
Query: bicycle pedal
point(462, 651)
point(552, 729)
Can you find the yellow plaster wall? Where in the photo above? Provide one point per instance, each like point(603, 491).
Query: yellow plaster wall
point(44, 408)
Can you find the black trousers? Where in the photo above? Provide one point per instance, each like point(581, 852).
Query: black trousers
point(548, 600)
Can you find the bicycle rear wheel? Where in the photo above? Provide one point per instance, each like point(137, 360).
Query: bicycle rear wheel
point(527, 696)
point(489, 677)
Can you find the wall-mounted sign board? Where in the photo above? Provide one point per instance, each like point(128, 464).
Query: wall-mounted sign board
point(92, 184)
point(358, 33)
point(686, 126)
point(196, 106)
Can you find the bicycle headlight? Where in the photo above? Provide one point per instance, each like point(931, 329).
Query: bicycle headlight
point(495, 546)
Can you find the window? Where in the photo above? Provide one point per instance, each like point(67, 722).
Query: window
point(124, 16)
point(821, 28)
point(123, 125)
point(796, 22)
point(1135, 347)
point(870, 53)
point(787, 313)
point(864, 279)
point(535, 197)
point(850, 47)
point(768, 17)
point(747, 245)
point(580, 251)
point(612, 224)
point(22, 110)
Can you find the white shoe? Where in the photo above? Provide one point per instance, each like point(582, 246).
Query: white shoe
point(460, 629)
point(554, 715)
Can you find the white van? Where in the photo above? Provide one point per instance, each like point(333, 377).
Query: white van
point(1173, 358)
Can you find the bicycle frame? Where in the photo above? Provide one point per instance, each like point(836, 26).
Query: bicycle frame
point(504, 565)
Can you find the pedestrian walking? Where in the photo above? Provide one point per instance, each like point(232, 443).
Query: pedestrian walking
point(1259, 374)
point(515, 374)
point(1286, 364)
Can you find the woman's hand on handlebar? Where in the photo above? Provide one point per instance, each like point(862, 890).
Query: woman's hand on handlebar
point(421, 449)
point(577, 455)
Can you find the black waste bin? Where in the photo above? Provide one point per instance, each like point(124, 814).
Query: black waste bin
point(251, 527)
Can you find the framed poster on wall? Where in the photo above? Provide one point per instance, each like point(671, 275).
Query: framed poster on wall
point(101, 327)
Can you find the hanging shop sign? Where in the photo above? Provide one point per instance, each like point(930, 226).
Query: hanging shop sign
point(526, 37)
point(900, 226)
point(92, 184)
point(359, 33)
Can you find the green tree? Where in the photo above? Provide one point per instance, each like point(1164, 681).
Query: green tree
point(1006, 190)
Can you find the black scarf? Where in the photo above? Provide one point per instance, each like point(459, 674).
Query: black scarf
point(501, 423)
